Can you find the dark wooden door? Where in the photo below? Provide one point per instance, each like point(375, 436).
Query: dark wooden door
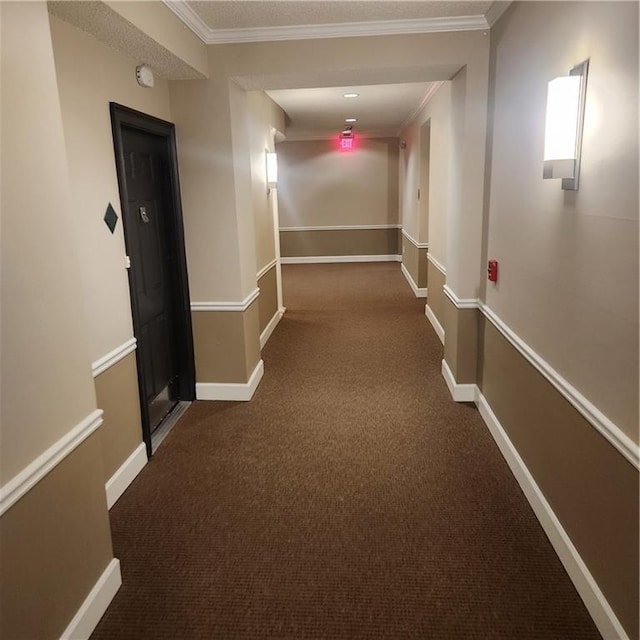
point(147, 220)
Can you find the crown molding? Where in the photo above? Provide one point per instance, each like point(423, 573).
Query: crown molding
point(306, 32)
point(496, 10)
point(431, 91)
point(190, 18)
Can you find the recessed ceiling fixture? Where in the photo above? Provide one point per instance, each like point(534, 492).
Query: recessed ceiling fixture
point(351, 119)
point(350, 95)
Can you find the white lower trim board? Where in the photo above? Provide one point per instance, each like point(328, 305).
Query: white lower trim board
point(273, 323)
point(332, 259)
point(437, 327)
point(113, 357)
point(419, 292)
point(95, 604)
point(459, 392)
point(236, 391)
point(593, 598)
point(126, 474)
point(20, 484)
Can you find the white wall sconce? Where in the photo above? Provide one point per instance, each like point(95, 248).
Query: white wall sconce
point(272, 170)
point(564, 124)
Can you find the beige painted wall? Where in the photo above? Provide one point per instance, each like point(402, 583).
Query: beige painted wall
point(201, 112)
point(461, 341)
point(268, 300)
point(569, 260)
point(428, 228)
point(43, 318)
point(339, 242)
point(436, 299)
point(321, 186)
point(415, 261)
point(55, 540)
point(121, 431)
point(592, 489)
point(387, 59)
point(55, 544)
point(227, 344)
point(84, 98)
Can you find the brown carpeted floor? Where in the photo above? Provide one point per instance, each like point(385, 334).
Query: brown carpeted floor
point(350, 499)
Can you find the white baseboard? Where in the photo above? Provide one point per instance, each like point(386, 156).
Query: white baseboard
point(459, 392)
point(95, 604)
point(126, 474)
point(419, 292)
point(437, 327)
point(236, 391)
point(331, 259)
point(593, 598)
point(273, 323)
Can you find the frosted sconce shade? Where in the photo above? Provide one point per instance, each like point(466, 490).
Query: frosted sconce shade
point(563, 127)
point(272, 169)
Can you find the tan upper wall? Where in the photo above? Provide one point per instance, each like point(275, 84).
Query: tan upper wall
point(569, 260)
point(84, 97)
point(265, 116)
point(300, 63)
point(201, 113)
point(318, 185)
point(432, 228)
point(47, 387)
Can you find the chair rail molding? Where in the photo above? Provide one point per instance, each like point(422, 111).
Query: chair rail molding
point(113, 357)
point(21, 483)
point(242, 305)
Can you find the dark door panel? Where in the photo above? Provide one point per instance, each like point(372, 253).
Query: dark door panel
point(145, 219)
point(147, 175)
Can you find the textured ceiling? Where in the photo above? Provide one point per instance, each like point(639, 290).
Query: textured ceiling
point(106, 25)
point(380, 109)
point(244, 14)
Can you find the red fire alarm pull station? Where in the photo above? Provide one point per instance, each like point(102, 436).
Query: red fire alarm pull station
point(492, 271)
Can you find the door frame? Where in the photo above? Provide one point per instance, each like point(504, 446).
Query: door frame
point(121, 117)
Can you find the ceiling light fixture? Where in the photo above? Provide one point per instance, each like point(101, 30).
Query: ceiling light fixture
point(351, 95)
point(351, 119)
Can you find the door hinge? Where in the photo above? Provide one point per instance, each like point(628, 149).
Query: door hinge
point(127, 262)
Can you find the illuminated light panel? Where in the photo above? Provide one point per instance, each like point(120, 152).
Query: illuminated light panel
point(351, 119)
point(350, 95)
point(346, 143)
point(272, 168)
point(561, 132)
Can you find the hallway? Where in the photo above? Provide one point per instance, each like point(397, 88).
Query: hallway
point(351, 498)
